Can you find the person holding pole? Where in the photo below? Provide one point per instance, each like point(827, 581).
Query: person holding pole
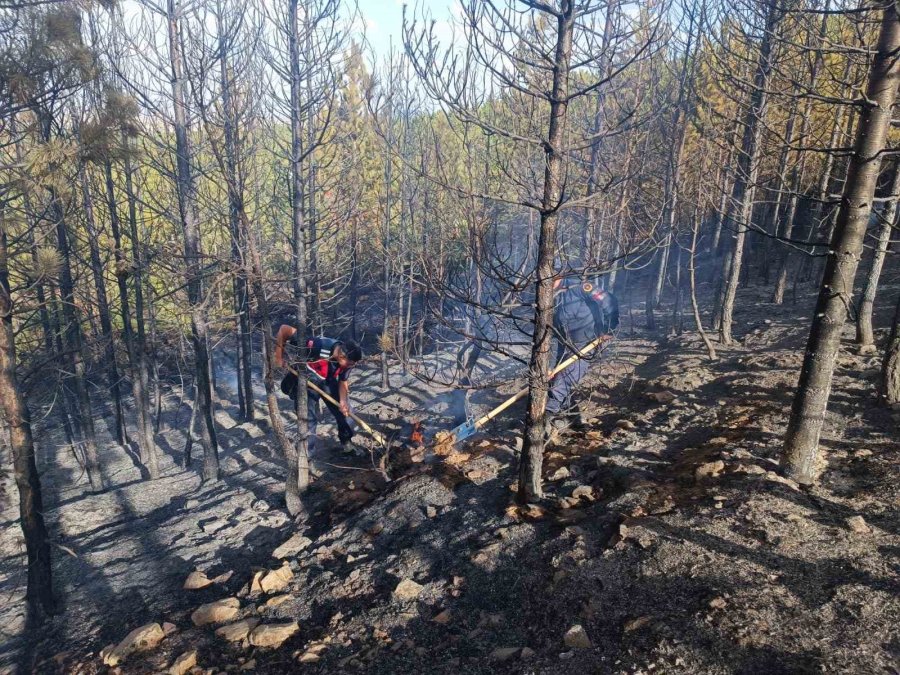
point(328, 363)
point(581, 314)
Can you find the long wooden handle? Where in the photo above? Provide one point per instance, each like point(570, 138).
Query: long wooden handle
point(562, 365)
point(381, 440)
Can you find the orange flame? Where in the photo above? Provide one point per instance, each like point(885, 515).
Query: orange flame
point(416, 435)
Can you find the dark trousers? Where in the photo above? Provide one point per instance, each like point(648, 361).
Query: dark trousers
point(313, 411)
point(562, 387)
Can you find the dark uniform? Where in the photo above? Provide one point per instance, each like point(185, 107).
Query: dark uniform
point(322, 371)
point(582, 313)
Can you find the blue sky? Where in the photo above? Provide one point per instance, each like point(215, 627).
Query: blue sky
point(384, 20)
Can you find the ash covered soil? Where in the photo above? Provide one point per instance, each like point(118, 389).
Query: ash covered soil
point(668, 541)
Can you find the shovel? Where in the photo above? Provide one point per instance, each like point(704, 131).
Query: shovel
point(472, 425)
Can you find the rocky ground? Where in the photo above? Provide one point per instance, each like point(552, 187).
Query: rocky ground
point(668, 542)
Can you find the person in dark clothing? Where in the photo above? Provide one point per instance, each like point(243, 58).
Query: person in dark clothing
point(582, 313)
point(328, 363)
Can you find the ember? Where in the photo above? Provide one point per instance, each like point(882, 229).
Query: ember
point(416, 436)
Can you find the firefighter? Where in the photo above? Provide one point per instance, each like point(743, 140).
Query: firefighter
point(582, 313)
point(328, 363)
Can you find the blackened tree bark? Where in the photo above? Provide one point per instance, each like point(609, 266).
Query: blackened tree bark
point(298, 461)
point(140, 359)
point(146, 442)
point(194, 275)
point(865, 336)
point(800, 454)
point(890, 368)
point(235, 207)
point(798, 171)
point(39, 593)
point(72, 331)
point(112, 369)
point(256, 279)
point(530, 464)
point(747, 170)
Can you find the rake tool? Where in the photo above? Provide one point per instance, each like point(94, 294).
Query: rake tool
point(471, 426)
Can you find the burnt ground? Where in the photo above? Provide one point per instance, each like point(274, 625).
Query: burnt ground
point(682, 551)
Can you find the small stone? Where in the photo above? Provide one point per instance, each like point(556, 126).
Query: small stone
point(276, 600)
point(442, 618)
point(272, 581)
point(249, 665)
point(309, 657)
point(583, 492)
point(858, 525)
point(376, 529)
point(709, 469)
point(196, 580)
point(260, 505)
point(627, 425)
point(292, 546)
point(751, 469)
point(662, 396)
point(866, 350)
point(219, 611)
point(532, 512)
point(169, 628)
point(184, 663)
point(862, 452)
point(502, 654)
point(636, 624)
point(407, 590)
point(222, 578)
point(718, 603)
point(235, 632)
point(560, 474)
point(430, 511)
point(526, 653)
point(577, 638)
point(273, 634)
point(140, 639)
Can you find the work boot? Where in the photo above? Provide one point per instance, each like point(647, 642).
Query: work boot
point(554, 429)
point(350, 448)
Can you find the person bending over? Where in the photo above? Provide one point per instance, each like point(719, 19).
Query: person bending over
point(328, 363)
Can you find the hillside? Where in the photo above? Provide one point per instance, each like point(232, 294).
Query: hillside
point(667, 536)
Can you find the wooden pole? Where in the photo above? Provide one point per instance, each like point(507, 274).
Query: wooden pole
point(380, 439)
point(484, 419)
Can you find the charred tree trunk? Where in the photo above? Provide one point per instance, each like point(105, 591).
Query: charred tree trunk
point(140, 362)
point(698, 320)
point(298, 461)
point(72, 331)
point(890, 368)
point(744, 190)
point(386, 334)
point(797, 174)
point(112, 370)
point(354, 277)
point(194, 275)
point(269, 367)
point(531, 461)
point(865, 336)
point(238, 241)
point(146, 442)
point(800, 454)
point(16, 415)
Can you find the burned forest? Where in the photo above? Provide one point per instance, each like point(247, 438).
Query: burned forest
point(449, 336)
